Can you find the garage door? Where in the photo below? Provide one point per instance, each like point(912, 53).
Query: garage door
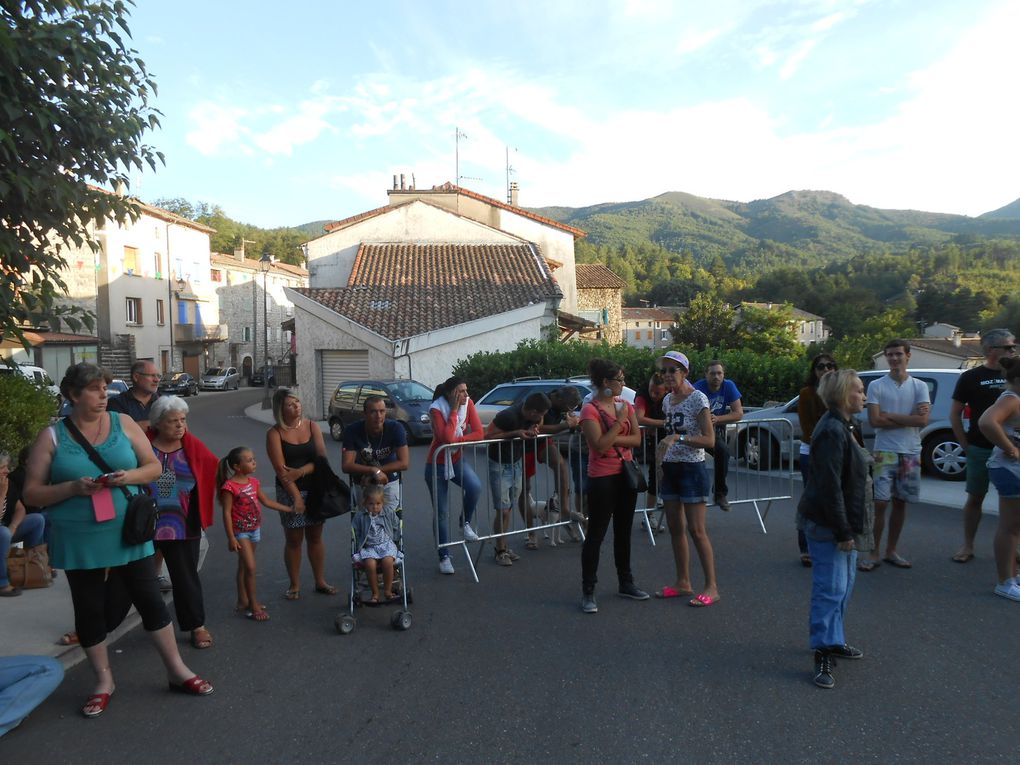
point(338, 366)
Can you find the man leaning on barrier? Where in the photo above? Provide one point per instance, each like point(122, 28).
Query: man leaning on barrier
point(725, 407)
point(519, 424)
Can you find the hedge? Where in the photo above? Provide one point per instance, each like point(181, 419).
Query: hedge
point(26, 410)
point(760, 378)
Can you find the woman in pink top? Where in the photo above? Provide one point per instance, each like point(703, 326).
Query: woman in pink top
point(610, 427)
point(454, 421)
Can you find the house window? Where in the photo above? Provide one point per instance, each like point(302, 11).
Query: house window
point(134, 310)
point(216, 275)
point(160, 313)
point(247, 335)
point(130, 260)
point(649, 333)
point(159, 265)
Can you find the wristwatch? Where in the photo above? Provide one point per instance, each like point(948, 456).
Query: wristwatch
point(680, 438)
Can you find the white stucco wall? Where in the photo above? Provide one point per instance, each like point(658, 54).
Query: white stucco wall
point(331, 257)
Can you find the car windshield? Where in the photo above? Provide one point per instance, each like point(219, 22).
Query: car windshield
point(215, 372)
point(177, 377)
point(410, 391)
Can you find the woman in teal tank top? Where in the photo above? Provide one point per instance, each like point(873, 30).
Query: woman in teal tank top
point(106, 577)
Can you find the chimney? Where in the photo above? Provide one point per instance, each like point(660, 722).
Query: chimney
point(956, 339)
point(414, 183)
point(402, 186)
point(394, 181)
point(120, 189)
point(239, 253)
point(514, 193)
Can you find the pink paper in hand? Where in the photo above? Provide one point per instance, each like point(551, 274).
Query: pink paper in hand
point(102, 506)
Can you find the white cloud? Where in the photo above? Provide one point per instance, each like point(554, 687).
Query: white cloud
point(214, 126)
point(303, 127)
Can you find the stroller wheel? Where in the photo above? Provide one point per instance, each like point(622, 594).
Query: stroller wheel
point(401, 620)
point(345, 624)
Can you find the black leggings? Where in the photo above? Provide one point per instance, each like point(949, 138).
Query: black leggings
point(102, 598)
point(181, 557)
point(609, 499)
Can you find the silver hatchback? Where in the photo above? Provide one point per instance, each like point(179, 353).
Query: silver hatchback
point(221, 378)
point(941, 455)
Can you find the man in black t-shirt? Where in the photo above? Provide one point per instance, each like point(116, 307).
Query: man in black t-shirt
point(375, 451)
point(518, 424)
point(137, 400)
point(978, 388)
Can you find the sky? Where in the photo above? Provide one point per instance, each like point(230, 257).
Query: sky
point(285, 113)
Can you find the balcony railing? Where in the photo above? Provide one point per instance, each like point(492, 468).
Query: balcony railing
point(191, 333)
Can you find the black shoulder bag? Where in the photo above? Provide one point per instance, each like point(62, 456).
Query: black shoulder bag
point(632, 473)
point(142, 510)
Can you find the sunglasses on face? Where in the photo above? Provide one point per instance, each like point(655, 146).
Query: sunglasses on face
point(825, 365)
point(669, 370)
point(1007, 348)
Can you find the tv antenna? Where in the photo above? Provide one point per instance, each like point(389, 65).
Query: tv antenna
point(509, 169)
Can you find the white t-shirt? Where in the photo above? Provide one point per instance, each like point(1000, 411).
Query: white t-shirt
point(683, 418)
point(898, 398)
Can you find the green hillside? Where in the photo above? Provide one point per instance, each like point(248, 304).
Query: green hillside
point(1012, 210)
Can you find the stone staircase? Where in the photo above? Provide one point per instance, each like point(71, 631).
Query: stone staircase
point(118, 356)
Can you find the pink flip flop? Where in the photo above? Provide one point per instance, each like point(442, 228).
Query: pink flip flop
point(672, 592)
point(703, 601)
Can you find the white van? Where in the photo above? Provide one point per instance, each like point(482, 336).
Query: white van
point(38, 375)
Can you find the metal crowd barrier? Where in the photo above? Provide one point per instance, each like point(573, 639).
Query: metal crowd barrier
point(539, 488)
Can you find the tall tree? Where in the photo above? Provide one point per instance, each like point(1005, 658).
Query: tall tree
point(707, 322)
point(74, 111)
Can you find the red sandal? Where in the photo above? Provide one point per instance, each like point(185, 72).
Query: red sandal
point(194, 686)
point(99, 702)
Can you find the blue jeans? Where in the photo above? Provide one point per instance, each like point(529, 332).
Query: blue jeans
point(30, 532)
point(25, 681)
point(466, 478)
point(805, 472)
point(505, 482)
point(832, 582)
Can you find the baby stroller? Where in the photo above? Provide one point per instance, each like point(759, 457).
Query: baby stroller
point(400, 619)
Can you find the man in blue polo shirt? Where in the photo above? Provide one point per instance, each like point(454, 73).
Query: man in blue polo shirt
point(725, 407)
point(137, 400)
point(375, 451)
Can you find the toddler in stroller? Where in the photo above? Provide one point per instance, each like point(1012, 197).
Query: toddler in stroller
point(376, 531)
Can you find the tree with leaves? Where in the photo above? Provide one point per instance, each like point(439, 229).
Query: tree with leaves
point(707, 323)
point(75, 109)
point(768, 331)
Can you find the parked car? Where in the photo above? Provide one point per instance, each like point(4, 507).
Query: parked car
point(257, 379)
point(221, 378)
point(407, 402)
point(38, 375)
point(179, 384)
point(507, 394)
point(941, 455)
point(115, 388)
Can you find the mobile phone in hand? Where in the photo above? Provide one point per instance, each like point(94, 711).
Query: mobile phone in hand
point(103, 479)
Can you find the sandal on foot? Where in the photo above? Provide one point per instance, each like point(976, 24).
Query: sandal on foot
point(868, 565)
point(96, 704)
point(672, 592)
point(703, 601)
point(898, 561)
point(201, 638)
point(258, 616)
point(194, 686)
point(531, 544)
point(325, 589)
point(962, 557)
point(292, 595)
point(68, 638)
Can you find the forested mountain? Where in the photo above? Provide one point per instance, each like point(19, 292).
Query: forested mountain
point(1012, 210)
point(798, 227)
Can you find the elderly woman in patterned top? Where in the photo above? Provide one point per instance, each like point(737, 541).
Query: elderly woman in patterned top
point(184, 492)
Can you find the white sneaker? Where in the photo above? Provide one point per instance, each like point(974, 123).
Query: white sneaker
point(1009, 589)
point(469, 533)
point(445, 566)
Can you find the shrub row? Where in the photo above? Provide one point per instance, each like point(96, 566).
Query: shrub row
point(26, 410)
point(760, 378)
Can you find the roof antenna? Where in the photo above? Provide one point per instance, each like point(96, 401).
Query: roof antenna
point(509, 169)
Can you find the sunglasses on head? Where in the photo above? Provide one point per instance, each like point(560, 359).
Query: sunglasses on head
point(825, 365)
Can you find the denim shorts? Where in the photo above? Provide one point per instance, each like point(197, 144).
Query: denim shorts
point(505, 481)
point(1006, 481)
point(897, 476)
point(255, 535)
point(684, 482)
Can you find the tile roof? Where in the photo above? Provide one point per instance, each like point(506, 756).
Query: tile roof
point(67, 338)
point(338, 224)
point(450, 188)
point(795, 312)
point(969, 348)
point(647, 314)
point(595, 276)
point(252, 264)
point(403, 290)
point(159, 212)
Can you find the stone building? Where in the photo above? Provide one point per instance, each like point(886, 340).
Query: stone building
point(246, 296)
point(648, 327)
point(600, 300)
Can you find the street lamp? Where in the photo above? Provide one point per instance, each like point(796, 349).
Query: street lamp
point(265, 263)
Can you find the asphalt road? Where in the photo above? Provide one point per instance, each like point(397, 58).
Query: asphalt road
point(510, 670)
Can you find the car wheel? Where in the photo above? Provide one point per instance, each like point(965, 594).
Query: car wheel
point(336, 430)
point(943, 457)
point(407, 432)
point(759, 449)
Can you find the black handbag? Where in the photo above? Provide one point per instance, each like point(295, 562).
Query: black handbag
point(142, 510)
point(329, 497)
point(634, 476)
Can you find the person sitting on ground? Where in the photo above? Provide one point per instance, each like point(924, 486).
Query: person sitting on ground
point(25, 682)
point(376, 529)
point(518, 424)
point(15, 525)
point(375, 451)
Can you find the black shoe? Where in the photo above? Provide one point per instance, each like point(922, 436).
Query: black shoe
point(823, 670)
point(588, 604)
point(628, 590)
point(724, 504)
point(845, 652)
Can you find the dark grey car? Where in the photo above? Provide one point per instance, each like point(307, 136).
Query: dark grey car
point(407, 402)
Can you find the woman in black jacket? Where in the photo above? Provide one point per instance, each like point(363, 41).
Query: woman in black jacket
point(837, 511)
